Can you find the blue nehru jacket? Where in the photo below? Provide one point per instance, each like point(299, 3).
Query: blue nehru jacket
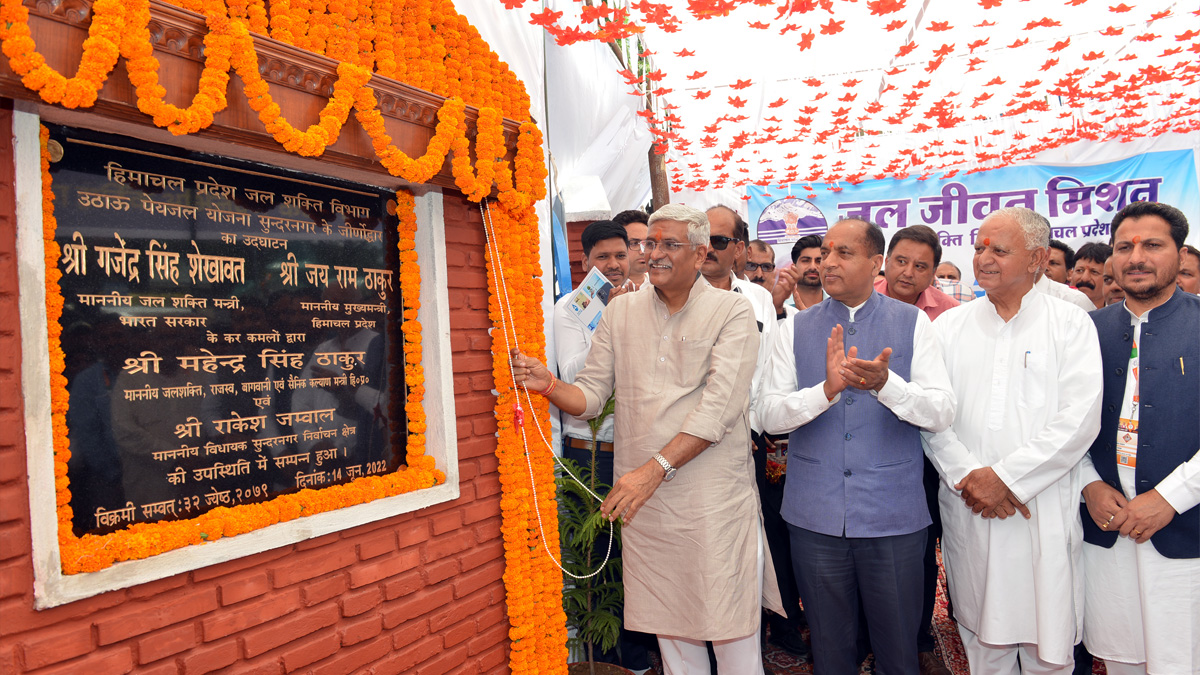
point(1169, 396)
point(857, 468)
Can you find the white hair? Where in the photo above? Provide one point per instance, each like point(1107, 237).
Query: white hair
point(1034, 225)
point(696, 221)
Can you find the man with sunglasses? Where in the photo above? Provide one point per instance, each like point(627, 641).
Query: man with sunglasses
point(718, 270)
point(679, 356)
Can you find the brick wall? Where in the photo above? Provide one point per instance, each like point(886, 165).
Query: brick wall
point(417, 593)
point(575, 249)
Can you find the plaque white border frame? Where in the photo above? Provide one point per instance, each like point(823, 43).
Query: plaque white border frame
point(51, 586)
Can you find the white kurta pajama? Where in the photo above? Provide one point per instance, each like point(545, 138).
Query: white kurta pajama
point(691, 556)
point(1028, 407)
point(1140, 606)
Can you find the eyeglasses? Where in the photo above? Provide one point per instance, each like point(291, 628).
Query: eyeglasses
point(635, 244)
point(669, 246)
point(719, 242)
point(766, 267)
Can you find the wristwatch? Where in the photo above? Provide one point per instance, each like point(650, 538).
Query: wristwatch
point(667, 468)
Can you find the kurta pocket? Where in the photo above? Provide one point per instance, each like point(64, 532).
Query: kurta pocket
point(691, 361)
point(1031, 391)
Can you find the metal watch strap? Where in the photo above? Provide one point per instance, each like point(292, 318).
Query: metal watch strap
point(666, 466)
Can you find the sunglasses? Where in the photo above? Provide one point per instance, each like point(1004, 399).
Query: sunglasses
point(719, 242)
point(766, 267)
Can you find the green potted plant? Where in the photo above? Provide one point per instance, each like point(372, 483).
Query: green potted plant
point(592, 597)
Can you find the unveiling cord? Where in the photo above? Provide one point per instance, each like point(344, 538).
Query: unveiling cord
point(506, 321)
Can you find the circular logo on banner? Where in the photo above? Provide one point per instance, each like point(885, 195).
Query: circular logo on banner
point(786, 220)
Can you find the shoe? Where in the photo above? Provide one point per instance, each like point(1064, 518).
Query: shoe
point(790, 641)
point(931, 665)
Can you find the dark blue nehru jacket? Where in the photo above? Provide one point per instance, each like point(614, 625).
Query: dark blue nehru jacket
point(1169, 419)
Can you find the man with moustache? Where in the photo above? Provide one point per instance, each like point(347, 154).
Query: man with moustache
point(634, 222)
point(760, 264)
point(1142, 473)
point(1060, 261)
point(742, 233)
point(854, 500)
point(1063, 292)
point(680, 357)
point(1025, 370)
point(718, 270)
point(1112, 292)
point(1088, 273)
point(1189, 269)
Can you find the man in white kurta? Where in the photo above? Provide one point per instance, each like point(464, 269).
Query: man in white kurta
point(1025, 370)
point(718, 270)
point(1141, 551)
point(680, 356)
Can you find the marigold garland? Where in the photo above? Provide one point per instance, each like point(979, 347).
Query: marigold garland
point(534, 583)
point(100, 52)
point(414, 372)
point(424, 43)
point(142, 67)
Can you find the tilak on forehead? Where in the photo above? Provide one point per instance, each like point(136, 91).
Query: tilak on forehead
point(987, 241)
point(1137, 238)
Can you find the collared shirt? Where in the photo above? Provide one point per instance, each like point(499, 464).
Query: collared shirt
point(1064, 292)
point(784, 406)
point(1029, 403)
point(932, 301)
point(764, 314)
point(959, 291)
point(572, 341)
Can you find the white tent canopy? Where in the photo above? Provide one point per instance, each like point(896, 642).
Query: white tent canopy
point(831, 90)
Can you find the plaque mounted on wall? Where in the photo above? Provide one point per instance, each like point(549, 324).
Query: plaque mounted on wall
point(230, 330)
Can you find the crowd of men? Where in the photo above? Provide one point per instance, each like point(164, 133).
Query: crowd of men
point(1008, 428)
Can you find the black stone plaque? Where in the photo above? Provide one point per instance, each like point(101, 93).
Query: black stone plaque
point(227, 330)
